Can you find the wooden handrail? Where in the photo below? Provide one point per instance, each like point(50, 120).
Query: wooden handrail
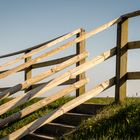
point(133, 75)
point(133, 45)
point(42, 47)
point(47, 63)
point(131, 14)
point(31, 48)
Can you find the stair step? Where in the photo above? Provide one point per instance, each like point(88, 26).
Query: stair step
point(65, 123)
point(34, 136)
point(73, 119)
point(88, 108)
point(54, 129)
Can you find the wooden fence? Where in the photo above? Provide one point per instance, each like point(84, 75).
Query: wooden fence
point(75, 78)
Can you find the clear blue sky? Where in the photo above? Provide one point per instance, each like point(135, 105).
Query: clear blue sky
point(24, 23)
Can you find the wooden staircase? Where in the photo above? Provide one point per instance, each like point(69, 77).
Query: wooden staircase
point(65, 123)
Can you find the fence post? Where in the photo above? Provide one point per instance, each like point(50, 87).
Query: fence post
point(28, 72)
point(80, 47)
point(121, 61)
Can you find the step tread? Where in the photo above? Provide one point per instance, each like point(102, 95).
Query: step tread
point(40, 136)
point(55, 129)
point(73, 119)
point(63, 125)
point(78, 114)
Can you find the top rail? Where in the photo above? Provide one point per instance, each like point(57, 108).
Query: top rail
point(128, 15)
point(132, 14)
point(39, 49)
point(31, 48)
point(63, 37)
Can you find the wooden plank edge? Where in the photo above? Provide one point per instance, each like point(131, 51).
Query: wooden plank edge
point(133, 75)
point(52, 62)
point(133, 45)
point(71, 81)
point(131, 14)
point(47, 63)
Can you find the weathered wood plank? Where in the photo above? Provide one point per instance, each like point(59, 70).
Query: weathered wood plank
point(28, 72)
point(132, 14)
point(80, 47)
point(47, 63)
point(43, 75)
point(133, 75)
point(52, 62)
point(121, 61)
point(45, 101)
point(41, 48)
point(4, 88)
point(31, 48)
point(133, 45)
point(60, 111)
point(71, 81)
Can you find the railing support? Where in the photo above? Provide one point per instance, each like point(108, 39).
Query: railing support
point(121, 61)
point(80, 48)
point(28, 72)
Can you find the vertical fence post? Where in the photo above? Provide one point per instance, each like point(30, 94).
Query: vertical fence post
point(28, 72)
point(121, 61)
point(80, 47)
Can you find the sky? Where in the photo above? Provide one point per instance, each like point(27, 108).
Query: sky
point(25, 23)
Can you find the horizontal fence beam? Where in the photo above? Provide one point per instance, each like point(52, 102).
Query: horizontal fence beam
point(133, 75)
point(132, 14)
point(35, 51)
point(31, 48)
point(52, 42)
point(3, 88)
point(71, 81)
point(52, 62)
point(133, 45)
point(47, 63)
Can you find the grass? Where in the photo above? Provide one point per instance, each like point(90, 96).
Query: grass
point(116, 121)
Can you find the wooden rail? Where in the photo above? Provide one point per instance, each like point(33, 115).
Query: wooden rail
point(76, 76)
point(41, 48)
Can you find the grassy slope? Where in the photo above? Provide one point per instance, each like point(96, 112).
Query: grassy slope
point(113, 122)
